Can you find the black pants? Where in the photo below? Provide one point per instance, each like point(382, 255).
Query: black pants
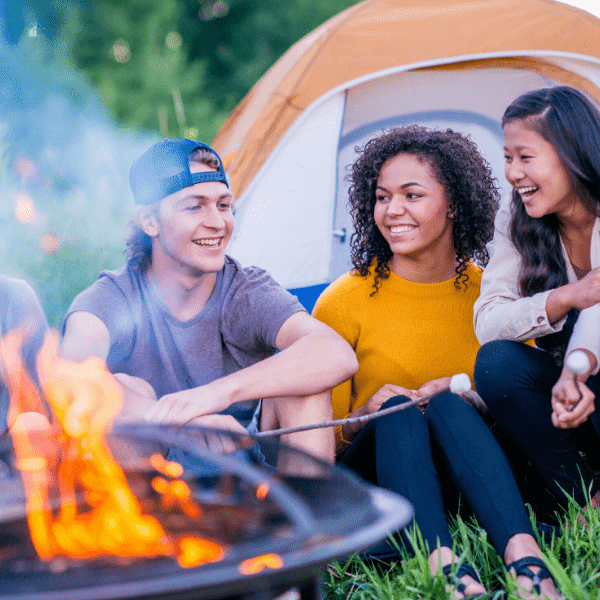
point(515, 381)
point(397, 452)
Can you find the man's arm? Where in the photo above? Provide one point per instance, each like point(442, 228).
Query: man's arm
point(87, 336)
point(312, 358)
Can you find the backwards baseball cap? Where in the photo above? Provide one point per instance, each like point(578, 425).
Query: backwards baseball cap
point(164, 169)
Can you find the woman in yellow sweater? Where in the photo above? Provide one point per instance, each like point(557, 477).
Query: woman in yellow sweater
point(423, 205)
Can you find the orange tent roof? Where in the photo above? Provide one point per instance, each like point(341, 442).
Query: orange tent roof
point(376, 35)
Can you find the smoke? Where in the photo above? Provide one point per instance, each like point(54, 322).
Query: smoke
point(64, 193)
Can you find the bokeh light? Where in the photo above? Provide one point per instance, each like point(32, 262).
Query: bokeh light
point(26, 168)
point(49, 243)
point(173, 40)
point(121, 51)
point(24, 208)
point(213, 10)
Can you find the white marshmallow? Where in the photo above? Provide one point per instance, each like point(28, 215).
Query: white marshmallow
point(459, 384)
point(578, 363)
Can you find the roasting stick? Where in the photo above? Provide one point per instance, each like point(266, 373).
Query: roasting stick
point(459, 384)
point(578, 363)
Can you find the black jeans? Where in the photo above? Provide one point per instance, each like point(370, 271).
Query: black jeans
point(397, 452)
point(515, 381)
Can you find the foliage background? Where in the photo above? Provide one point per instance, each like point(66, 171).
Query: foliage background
point(86, 86)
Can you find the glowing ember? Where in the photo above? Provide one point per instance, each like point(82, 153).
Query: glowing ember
point(262, 490)
point(24, 208)
point(258, 563)
point(172, 469)
point(84, 399)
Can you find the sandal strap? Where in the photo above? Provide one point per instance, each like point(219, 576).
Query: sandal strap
point(522, 565)
point(460, 571)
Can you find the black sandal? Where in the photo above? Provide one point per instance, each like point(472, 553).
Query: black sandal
point(521, 568)
point(454, 579)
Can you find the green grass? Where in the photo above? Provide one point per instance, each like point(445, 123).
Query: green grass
point(572, 556)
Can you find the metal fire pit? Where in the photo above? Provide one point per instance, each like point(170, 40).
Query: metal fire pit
point(307, 518)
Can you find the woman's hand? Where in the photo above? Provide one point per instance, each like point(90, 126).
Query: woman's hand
point(383, 395)
point(572, 401)
point(579, 294)
point(349, 430)
point(432, 386)
point(586, 291)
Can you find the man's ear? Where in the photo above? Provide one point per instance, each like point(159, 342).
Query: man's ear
point(147, 220)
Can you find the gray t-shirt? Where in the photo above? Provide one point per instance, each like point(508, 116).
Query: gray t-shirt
point(236, 328)
point(19, 307)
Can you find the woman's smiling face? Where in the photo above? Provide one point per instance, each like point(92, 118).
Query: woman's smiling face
point(412, 209)
point(535, 170)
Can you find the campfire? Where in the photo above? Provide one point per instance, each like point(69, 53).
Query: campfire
point(90, 511)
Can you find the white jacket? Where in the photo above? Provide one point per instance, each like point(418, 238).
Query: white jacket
point(501, 313)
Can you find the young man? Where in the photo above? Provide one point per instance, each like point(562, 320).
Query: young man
point(194, 334)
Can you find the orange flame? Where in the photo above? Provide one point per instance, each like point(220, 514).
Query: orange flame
point(85, 398)
point(258, 563)
point(172, 469)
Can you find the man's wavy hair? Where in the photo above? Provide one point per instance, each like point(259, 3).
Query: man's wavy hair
point(138, 249)
point(456, 164)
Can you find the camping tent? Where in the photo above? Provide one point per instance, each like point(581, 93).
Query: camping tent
point(378, 64)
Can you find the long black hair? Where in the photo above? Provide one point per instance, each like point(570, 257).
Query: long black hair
point(457, 165)
point(564, 117)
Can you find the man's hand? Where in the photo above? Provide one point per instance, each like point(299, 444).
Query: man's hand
point(220, 444)
point(572, 401)
point(182, 407)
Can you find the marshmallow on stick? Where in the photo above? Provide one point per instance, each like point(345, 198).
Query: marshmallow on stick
point(578, 363)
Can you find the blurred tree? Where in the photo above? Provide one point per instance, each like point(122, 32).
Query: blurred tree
point(135, 56)
point(240, 39)
point(179, 67)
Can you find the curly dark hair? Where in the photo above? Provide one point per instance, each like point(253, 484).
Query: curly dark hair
point(138, 250)
point(456, 164)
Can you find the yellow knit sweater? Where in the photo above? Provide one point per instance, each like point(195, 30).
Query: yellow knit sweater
point(406, 334)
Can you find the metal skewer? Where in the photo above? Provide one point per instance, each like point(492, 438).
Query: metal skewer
point(459, 384)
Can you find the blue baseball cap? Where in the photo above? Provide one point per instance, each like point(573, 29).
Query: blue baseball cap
point(164, 169)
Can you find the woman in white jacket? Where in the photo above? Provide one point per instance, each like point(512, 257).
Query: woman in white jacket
point(543, 283)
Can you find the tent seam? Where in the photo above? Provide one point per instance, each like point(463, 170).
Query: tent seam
point(317, 52)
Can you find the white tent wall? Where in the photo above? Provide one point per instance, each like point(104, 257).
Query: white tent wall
point(289, 218)
point(284, 219)
point(471, 102)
